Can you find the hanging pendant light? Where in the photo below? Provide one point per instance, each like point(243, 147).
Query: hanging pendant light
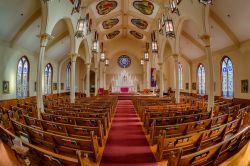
point(142, 61)
point(154, 43)
point(146, 54)
point(81, 28)
point(173, 6)
point(169, 28)
point(76, 6)
point(106, 62)
point(95, 47)
point(206, 2)
point(102, 55)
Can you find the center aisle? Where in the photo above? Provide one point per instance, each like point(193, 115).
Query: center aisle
point(127, 144)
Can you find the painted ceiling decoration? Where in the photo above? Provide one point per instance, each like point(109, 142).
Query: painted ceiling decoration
point(108, 24)
point(139, 23)
point(136, 34)
point(145, 7)
point(112, 34)
point(105, 7)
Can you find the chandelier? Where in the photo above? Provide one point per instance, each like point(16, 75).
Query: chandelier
point(154, 43)
point(146, 54)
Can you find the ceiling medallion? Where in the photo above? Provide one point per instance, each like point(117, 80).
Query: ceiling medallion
point(124, 61)
point(144, 7)
point(108, 24)
point(104, 7)
point(112, 34)
point(139, 23)
point(136, 34)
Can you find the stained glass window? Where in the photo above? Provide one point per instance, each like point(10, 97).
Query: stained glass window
point(227, 77)
point(180, 76)
point(22, 79)
point(68, 73)
point(124, 61)
point(48, 75)
point(201, 79)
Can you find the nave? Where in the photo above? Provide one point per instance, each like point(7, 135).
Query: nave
point(145, 130)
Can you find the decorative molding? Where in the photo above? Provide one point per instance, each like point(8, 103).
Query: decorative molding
point(57, 39)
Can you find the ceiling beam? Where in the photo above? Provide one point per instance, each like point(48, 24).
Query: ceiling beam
point(25, 26)
point(192, 40)
point(224, 26)
point(140, 16)
point(57, 39)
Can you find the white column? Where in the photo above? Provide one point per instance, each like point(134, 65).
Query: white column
point(206, 39)
point(88, 79)
point(161, 80)
point(96, 81)
point(177, 88)
point(101, 75)
point(148, 70)
point(59, 78)
point(104, 78)
point(40, 67)
point(73, 78)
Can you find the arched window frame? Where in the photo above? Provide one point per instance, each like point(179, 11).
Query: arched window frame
point(68, 75)
point(201, 79)
point(227, 90)
point(22, 81)
point(48, 79)
point(180, 70)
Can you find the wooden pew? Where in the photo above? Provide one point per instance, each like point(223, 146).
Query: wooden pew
point(212, 155)
point(66, 129)
point(92, 122)
point(40, 156)
point(161, 120)
point(58, 143)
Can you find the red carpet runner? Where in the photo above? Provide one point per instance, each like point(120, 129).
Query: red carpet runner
point(127, 144)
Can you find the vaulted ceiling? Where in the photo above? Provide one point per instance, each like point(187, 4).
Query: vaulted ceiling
point(118, 19)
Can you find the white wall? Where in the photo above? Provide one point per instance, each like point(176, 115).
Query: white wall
point(241, 60)
point(9, 58)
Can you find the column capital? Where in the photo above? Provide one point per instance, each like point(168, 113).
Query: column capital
point(175, 56)
point(206, 39)
point(74, 56)
point(44, 38)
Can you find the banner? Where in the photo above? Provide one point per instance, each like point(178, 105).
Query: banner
point(153, 77)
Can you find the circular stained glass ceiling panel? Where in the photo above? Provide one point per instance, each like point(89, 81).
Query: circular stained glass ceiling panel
point(124, 61)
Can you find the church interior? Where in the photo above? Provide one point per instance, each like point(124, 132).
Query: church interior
point(124, 82)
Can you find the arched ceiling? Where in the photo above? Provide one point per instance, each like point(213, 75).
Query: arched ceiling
point(120, 19)
point(123, 18)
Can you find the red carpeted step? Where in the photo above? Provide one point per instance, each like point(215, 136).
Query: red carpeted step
point(127, 144)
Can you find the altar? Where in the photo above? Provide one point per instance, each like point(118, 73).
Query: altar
point(124, 83)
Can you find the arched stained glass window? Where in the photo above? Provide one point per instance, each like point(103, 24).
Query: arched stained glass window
point(22, 79)
point(227, 77)
point(201, 79)
point(48, 76)
point(68, 74)
point(180, 76)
